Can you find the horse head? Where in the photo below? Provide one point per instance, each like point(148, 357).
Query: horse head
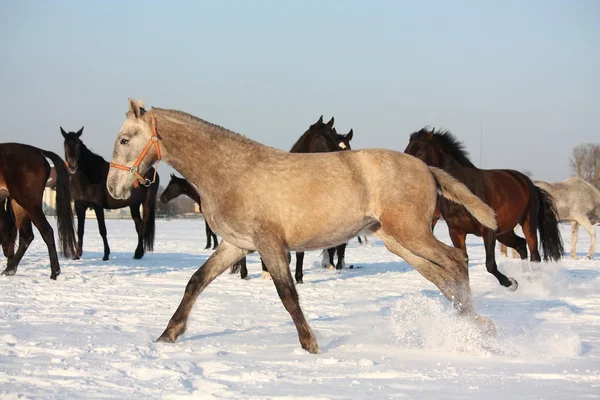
point(422, 144)
point(72, 146)
point(131, 155)
point(172, 190)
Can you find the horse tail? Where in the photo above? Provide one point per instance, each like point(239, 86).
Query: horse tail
point(459, 193)
point(552, 245)
point(150, 208)
point(64, 212)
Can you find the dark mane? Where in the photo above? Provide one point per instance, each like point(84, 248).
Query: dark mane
point(205, 124)
point(301, 141)
point(93, 157)
point(448, 142)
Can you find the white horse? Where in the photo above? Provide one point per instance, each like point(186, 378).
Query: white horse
point(577, 201)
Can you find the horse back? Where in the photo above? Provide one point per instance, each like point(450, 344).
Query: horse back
point(24, 171)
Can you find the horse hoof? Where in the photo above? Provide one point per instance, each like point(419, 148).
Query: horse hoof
point(53, 276)
point(312, 348)
point(165, 339)
point(138, 256)
point(299, 281)
point(105, 258)
point(574, 257)
point(9, 272)
point(513, 285)
point(486, 326)
point(76, 257)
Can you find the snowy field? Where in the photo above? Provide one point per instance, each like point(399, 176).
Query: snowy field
point(384, 331)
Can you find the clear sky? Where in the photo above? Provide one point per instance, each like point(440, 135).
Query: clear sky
point(528, 72)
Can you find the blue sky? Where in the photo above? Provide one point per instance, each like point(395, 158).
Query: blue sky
point(528, 72)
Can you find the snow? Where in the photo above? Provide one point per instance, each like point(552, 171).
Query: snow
point(384, 331)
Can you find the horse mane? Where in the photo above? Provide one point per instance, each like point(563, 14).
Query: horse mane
point(91, 156)
point(301, 140)
point(449, 142)
point(188, 118)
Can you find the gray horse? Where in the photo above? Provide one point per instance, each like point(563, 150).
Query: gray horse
point(579, 202)
point(258, 198)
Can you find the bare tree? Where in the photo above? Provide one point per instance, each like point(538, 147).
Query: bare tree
point(585, 162)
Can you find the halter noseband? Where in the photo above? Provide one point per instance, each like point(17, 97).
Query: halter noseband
point(139, 179)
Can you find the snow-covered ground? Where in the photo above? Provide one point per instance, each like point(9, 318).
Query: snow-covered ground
point(384, 331)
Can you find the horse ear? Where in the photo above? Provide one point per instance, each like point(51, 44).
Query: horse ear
point(63, 132)
point(172, 176)
point(79, 132)
point(134, 108)
point(349, 135)
point(320, 121)
point(330, 123)
point(141, 103)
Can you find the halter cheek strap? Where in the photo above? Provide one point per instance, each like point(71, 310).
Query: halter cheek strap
point(134, 169)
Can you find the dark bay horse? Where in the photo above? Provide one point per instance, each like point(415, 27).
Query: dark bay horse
point(88, 187)
point(258, 198)
point(24, 172)
point(322, 138)
point(510, 193)
point(177, 187)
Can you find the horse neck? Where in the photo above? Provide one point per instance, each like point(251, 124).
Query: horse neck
point(188, 190)
point(470, 176)
point(307, 144)
point(90, 162)
point(206, 155)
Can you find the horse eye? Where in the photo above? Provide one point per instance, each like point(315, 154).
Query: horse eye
point(124, 141)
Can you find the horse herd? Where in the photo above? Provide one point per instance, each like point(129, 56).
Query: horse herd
point(317, 196)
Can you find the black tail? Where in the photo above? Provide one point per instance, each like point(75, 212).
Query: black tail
point(8, 229)
point(150, 208)
point(64, 212)
point(552, 245)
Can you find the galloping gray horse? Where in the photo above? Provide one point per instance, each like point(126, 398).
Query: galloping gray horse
point(259, 198)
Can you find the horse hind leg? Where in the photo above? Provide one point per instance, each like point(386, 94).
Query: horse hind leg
point(444, 266)
point(23, 224)
point(41, 223)
point(80, 208)
point(574, 236)
point(587, 225)
point(341, 253)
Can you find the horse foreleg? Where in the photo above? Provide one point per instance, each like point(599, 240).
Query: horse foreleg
point(299, 267)
point(225, 255)
point(341, 253)
point(515, 242)
point(80, 208)
point(275, 257)
point(137, 219)
point(102, 228)
point(489, 240)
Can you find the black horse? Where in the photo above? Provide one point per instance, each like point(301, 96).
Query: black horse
point(88, 187)
point(322, 138)
point(24, 172)
point(177, 187)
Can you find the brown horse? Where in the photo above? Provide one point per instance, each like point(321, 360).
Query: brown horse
point(510, 193)
point(259, 198)
point(24, 172)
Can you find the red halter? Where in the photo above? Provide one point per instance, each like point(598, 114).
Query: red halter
point(140, 180)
